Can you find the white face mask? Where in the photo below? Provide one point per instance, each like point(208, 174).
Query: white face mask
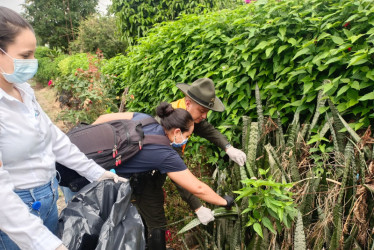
point(24, 70)
point(179, 145)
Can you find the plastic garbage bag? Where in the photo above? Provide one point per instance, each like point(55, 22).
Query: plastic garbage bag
point(101, 216)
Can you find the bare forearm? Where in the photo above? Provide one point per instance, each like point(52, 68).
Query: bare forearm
point(207, 194)
point(189, 182)
point(114, 116)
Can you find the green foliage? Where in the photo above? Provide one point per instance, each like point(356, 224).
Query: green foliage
point(84, 91)
point(269, 202)
point(112, 68)
point(287, 48)
point(48, 60)
point(98, 32)
point(218, 212)
point(55, 21)
point(135, 18)
point(70, 64)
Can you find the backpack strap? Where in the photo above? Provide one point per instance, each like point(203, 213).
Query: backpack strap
point(153, 139)
point(147, 121)
point(156, 139)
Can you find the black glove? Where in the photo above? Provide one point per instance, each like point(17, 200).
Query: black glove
point(230, 201)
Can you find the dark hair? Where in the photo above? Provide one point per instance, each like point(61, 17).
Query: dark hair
point(11, 24)
point(174, 118)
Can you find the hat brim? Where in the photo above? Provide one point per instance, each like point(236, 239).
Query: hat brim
point(218, 105)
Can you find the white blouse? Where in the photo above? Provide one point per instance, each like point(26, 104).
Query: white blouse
point(30, 144)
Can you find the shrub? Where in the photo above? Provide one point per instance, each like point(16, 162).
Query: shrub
point(98, 32)
point(85, 93)
point(286, 48)
point(48, 60)
point(70, 64)
point(136, 17)
point(112, 68)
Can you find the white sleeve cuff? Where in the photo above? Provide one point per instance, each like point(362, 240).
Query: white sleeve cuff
point(46, 241)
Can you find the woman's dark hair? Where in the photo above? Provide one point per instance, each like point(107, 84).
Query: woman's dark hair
point(11, 24)
point(173, 118)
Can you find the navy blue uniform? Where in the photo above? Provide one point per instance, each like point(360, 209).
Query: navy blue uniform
point(152, 157)
point(150, 199)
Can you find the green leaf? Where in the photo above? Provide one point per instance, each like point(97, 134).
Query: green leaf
point(261, 46)
point(307, 87)
point(252, 73)
point(292, 41)
point(332, 60)
point(353, 39)
point(301, 52)
point(342, 90)
point(323, 35)
point(282, 48)
point(357, 60)
point(337, 40)
point(267, 223)
point(369, 96)
point(282, 33)
point(268, 51)
point(258, 229)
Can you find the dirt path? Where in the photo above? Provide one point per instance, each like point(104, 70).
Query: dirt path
point(46, 96)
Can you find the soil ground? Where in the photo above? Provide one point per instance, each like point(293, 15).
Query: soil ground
point(46, 96)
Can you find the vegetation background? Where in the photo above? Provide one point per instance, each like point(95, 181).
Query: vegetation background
point(296, 78)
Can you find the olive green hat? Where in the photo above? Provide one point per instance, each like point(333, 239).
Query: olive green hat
point(202, 91)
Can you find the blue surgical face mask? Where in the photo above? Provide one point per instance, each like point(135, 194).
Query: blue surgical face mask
point(179, 145)
point(24, 70)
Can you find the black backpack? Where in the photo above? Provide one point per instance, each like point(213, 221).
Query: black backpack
point(108, 144)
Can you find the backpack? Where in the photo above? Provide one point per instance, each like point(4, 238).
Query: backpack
point(109, 145)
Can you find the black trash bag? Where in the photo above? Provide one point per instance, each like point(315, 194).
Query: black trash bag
point(101, 216)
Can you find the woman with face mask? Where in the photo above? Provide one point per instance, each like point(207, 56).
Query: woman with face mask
point(147, 169)
point(29, 146)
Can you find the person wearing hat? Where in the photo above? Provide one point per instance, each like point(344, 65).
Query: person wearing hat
point(199, 99)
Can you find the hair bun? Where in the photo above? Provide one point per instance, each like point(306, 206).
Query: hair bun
point(164, 110)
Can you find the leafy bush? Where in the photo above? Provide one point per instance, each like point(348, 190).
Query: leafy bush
point(136, 17)
point(98, 32)
point(287, 48)
point(85, 93)
point(48, 60)
point(268, 201)
point(70, 64)
point(112, 68)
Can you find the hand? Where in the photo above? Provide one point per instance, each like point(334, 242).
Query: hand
point(112, 176)
point(205, 215)
point(230, 201)
point(236, 155)
point(61, 247)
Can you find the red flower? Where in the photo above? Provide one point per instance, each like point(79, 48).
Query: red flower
point(50, 82)
point(349, 49)
point(346, 24)
point(168, 236)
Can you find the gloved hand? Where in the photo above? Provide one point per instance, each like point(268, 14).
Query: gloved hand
point(112, 176)
point(230, 201)
point(61, 247)
point(205, 215)
point(236, 155)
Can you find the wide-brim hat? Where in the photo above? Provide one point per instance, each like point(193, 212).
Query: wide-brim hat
point(202, 91)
